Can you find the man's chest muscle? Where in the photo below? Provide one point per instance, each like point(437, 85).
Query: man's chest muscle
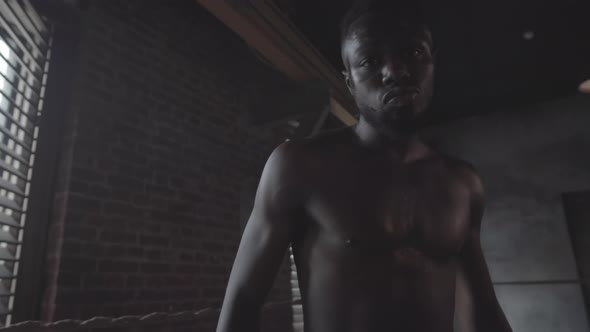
point(414, 210)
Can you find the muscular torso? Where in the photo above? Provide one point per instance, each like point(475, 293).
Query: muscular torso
point(376, 249)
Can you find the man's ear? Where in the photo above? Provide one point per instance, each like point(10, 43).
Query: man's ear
point(346, 75)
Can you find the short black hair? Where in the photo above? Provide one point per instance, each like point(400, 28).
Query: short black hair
point(407, 9)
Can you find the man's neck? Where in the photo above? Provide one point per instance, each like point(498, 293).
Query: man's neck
point(402, 147)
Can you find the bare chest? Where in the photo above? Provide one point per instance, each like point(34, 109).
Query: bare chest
point(389, 211)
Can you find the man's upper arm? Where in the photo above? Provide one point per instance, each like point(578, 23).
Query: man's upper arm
point(473, 274)
point(267, 235)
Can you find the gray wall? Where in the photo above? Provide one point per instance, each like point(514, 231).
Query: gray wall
point(527, 159)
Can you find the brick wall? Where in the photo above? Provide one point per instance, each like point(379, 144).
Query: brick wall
point(147, 209)
point(273, 318)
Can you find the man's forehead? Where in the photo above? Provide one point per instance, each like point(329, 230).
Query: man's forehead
point(375, 27)
point(369, 35)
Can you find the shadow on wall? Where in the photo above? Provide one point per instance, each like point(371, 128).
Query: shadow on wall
point(527, 160)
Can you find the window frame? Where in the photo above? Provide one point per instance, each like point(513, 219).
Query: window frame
point(32, 275)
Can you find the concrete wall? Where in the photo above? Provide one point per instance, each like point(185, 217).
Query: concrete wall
point(577, 211)
point(527, 159)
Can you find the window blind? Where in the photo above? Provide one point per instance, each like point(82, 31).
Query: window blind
point(297, 307)
point(25, 51)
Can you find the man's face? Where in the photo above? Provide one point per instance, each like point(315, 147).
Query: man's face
point(389, 70)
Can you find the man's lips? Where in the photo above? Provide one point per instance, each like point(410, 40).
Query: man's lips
point(401, 96)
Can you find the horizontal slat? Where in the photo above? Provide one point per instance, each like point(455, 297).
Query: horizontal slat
point(4, 201)
point(12, 111)
point(5, 273)
point(298, 327)
point(11, 187)
point(27, 26)
point(10, 119)
point(18, 61)
point(10, 88)
point(28, 148)
point(4, 291)
point(8, 237)
point(4, 165)
point(4, 309)
point(26, 144)
point(39, 23)
point(36, 85)
point(9, 38)
point(13, 154)
point(10, 21)
point(9, 221)
point(6, 255)
point(31, 115)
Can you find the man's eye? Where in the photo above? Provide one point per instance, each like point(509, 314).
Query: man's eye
point(367, 62)
point(417, 51)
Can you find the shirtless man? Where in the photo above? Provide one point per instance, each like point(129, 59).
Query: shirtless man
point(382, 226)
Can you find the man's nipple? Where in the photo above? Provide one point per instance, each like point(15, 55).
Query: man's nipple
point(350, 242)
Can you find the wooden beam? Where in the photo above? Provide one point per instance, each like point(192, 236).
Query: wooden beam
point(341, 113)
point(249, 26)
point(265, 28)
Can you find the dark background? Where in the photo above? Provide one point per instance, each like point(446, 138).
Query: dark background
point(484, 61)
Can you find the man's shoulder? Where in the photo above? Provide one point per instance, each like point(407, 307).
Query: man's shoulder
point(314, 146)
point(281, 174)
point(329, 138)
point(293, 158)
point(463, 172)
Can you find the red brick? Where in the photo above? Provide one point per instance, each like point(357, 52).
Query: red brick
point(154, 268)
point(101, 280)
point(151, 241)
point(116, 236)
point(77, 265)
point(118, 266)
point(80, 232)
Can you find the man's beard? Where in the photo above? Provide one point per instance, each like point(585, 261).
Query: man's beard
point(395, 124)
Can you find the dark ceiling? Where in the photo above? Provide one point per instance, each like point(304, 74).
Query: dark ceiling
point(484, 63)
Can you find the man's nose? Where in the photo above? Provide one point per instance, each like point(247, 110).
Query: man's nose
point(393, 71)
